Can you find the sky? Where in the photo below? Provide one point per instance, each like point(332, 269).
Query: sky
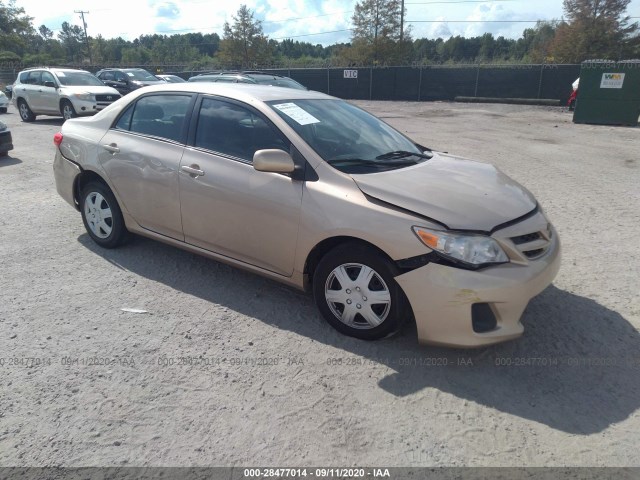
point(316, 21)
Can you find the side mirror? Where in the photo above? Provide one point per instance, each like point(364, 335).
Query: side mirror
point(275, 161)
point(49, 84)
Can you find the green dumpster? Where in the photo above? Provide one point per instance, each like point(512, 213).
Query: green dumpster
point(609, 93)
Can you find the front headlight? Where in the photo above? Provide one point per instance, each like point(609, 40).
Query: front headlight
point(470, 250)
point(87, 97)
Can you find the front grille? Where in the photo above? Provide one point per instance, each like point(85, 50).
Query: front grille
point(529, 237)
point(534, 253)
point(532, 245)
point(107, 98)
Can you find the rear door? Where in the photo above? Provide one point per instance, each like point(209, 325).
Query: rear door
point(29, 89)
point(232, 209)
point(141, 154)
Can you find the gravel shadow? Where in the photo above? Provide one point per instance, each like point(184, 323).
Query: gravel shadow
point(576, 369)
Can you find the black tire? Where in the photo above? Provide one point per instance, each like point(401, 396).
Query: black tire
point(67, 110)
point(572, 105)
point(100, 197)
point(352, 256)
point(25, 112)
point(3, 109)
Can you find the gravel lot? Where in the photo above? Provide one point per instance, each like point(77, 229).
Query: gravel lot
point(227, 368)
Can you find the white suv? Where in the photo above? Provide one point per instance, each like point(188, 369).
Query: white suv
point(60, 91)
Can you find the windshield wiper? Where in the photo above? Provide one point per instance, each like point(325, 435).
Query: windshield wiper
point(402, 154)
point(360, 162)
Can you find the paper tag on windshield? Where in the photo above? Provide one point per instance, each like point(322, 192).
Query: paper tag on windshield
point(130, 74)
point(296, 113)
point(60, 74)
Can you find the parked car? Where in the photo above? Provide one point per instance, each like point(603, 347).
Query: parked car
point(126, 80)
point(6, 141)
point(316, 193)
point(8, 90)
point(256, 78)
point(4, 102)
point(171, 78)
point(60, 91)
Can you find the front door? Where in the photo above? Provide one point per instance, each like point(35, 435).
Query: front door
point(141, 155)
point(232, 209)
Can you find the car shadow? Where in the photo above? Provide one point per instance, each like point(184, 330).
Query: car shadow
point(577, 368)
point(49, 121)
point(8, 160)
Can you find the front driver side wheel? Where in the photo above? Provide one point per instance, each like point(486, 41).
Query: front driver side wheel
point(68, 111)
point(102, 216)
point(355, 290)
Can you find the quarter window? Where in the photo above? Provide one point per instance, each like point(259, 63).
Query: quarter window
point(236, 131)
point(157, 115)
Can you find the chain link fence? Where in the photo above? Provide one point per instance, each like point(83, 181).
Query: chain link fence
point(411, 83)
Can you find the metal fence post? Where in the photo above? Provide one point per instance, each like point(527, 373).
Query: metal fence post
point(475, 94)
point(420, 83)
point(540, 83)
point(370, 82)
point(328, 81)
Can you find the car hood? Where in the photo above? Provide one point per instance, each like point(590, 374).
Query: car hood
point(93, 89)
point(461, 194)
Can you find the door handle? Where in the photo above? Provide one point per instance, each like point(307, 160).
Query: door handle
point(111, 147)
point(193, 170)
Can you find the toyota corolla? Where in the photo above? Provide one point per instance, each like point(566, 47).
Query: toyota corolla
point(316, 193)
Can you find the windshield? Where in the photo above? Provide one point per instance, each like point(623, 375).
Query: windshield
point(78, 79)
point(348, 138)
point(139, 74)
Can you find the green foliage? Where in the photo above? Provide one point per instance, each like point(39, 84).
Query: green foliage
point(595, 29)
point(244, 44)
point(15, 28)
point(9, 57)
point(377, 34)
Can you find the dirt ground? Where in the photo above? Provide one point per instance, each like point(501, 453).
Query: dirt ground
point(227, 368)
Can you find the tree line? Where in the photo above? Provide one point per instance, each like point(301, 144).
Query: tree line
point(590, 29)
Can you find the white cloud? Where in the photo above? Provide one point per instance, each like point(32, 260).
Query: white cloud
point(129, 19)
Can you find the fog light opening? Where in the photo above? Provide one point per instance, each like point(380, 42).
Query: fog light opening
point(482, 318)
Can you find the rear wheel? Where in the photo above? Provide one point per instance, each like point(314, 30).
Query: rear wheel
point(355, 290)
point(25, 112)
point(67, 110)
point(101, 215)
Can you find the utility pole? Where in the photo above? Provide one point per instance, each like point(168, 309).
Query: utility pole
point(402, 21)
point(86, 38)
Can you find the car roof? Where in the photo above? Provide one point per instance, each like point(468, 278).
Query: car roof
point(245, 92)
point(58, 69)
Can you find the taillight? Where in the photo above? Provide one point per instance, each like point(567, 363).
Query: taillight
point(57, 139)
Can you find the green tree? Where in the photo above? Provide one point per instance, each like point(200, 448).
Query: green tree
point(15, 28)
point(595, 29)
point(72, 39)
point(243, 43)
point(377, 32)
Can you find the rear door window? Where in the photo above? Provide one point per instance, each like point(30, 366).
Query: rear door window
point(161, 116)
